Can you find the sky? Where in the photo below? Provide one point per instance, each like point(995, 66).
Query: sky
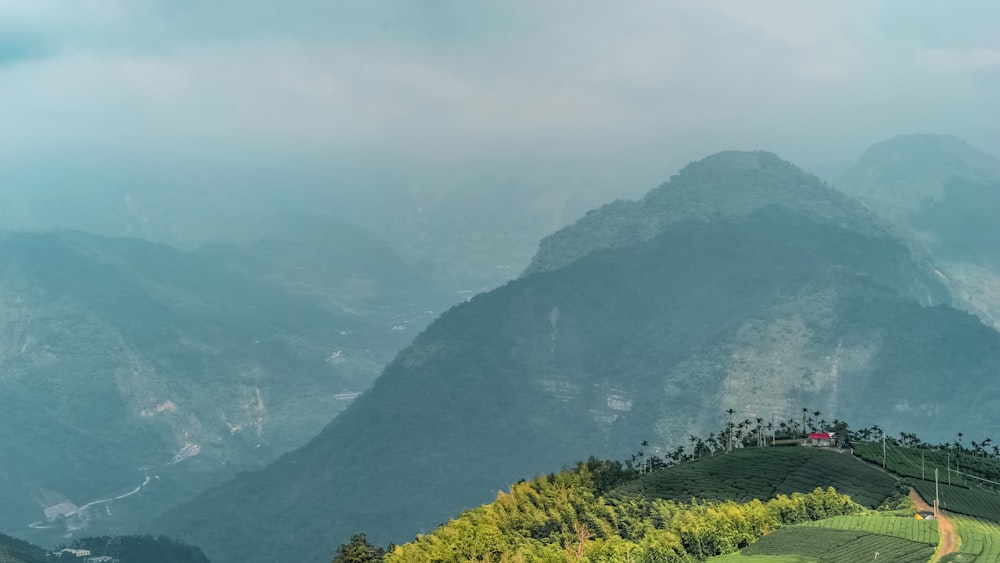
point(644, 84)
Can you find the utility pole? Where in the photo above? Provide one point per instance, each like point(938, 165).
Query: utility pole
point(936, 501)
point(921, 466)
point(949, 468)
point(883, 451)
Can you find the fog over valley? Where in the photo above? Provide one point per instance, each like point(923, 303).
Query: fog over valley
point(314, 280)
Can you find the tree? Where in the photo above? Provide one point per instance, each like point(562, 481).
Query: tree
point(358, 550)
point(729, 431)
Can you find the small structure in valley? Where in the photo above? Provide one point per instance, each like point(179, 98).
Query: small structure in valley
point(822, 439)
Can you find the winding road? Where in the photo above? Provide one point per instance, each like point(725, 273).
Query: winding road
point(946, 529)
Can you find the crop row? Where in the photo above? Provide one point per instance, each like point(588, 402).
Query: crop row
point(972, 502)
point(747, 474)
point(922, 531)
point(920, 462)
point(980, 540)
point(840, 546)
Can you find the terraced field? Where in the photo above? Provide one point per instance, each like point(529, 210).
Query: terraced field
point(919, 463)
point(839, 546)
point(977, 502)
point(980, 541)
point(747, 474)
point(740, 558)
point(922, 531)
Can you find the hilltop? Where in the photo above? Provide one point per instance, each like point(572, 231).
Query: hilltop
point(758, 308)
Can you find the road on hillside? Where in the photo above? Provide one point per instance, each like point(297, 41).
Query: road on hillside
point(946, 529)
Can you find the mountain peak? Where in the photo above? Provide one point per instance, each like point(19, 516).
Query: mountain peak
point(728, 184)
point(899, 175)
point(737, 161)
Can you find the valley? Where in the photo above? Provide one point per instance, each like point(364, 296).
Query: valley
point(499, 281)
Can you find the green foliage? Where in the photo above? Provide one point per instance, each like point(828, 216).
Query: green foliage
point(358, 550)
point(753, 473)
point(559, 517)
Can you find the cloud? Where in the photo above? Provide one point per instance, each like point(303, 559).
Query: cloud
point(952, 62)
point(451, 79)
point(18, 47)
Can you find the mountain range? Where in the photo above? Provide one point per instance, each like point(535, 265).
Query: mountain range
point(136, 375)
point(945, 193)
point(743, 283)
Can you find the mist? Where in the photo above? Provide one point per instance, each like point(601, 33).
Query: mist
point(367, 111)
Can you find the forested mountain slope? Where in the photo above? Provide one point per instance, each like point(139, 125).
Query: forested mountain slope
point(763, 307)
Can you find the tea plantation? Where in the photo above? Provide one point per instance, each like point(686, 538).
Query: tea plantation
point(980, 541)
point(839, 546)
point(922, 531)
point(976, 502)
point(750, 473)
point(919, 463)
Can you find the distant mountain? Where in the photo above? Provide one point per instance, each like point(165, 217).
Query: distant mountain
point(13, 550)
point(135, 375)
point(947, 194)
point(469, 229)
point(742, 283)
point(107, 549)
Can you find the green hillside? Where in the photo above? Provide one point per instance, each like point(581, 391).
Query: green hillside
point(604, 511)
point(562, 516)
point(751, 473)
point(759, 312)
point(971, 486)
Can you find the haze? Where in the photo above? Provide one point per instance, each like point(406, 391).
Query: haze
point(496, 82)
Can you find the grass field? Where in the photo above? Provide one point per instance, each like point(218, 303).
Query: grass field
point(976, 502)
point(751, 473)
point(921, 531)
point(839, 546)
point(980, 541)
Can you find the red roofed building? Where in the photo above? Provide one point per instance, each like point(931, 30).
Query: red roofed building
point(824, 439)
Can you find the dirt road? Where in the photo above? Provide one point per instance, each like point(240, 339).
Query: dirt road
point(946, 529)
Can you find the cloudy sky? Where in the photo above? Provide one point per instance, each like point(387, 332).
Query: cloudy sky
point(457, 81)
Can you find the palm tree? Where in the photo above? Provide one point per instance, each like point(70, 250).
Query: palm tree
point(729, 431)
